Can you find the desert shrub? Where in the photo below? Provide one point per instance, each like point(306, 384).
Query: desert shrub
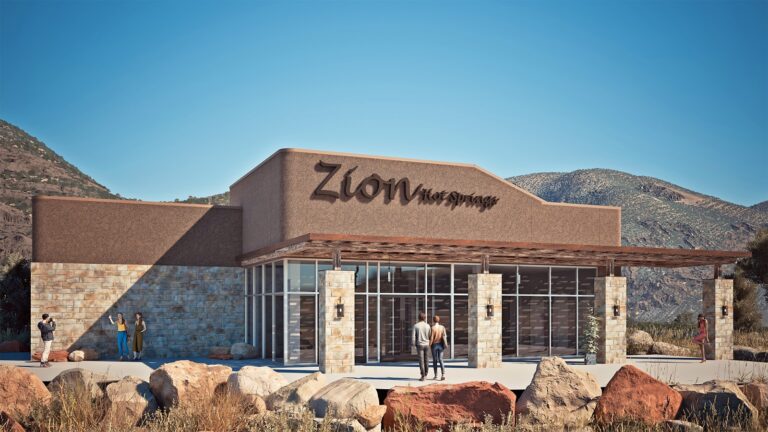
point(746, 312)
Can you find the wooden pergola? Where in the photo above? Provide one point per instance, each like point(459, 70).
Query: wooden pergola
point(384, 248)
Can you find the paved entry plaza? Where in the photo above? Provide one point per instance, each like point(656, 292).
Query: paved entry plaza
point(514, 374)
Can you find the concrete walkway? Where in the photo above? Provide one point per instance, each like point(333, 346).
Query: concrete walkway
point(514, 374)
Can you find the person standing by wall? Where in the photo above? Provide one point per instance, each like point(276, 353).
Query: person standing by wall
point(46, 326)
point(439, 342)
point(421, 334)
point(703, 337)
point(138, 336)
point(122, 335)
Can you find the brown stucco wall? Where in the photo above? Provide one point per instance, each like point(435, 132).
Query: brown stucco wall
point(518, 216)
point(95, 231)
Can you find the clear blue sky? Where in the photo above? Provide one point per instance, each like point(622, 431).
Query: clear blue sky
point(159, 100)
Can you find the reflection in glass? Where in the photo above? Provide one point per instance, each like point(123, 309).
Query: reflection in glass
point(278, 342)
point(359, 328)
point(402, 278)
point(508, 278)
point(439, 279)
point(301, 276)
point(268, 327)
point(587, 281)
point(563, 325)
point(461, 274)
point(278, 277)
point(460, 326)
point(373, 330)
point(586, 306)
point(398, 315)
point(563, 280)
point(508, 326)
point(360, 274)
point(534, 280)
point(533, 328)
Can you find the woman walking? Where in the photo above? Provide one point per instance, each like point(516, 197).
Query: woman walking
point(122, 335)
point(138, 336)
point(703, 337)
point(439, 342)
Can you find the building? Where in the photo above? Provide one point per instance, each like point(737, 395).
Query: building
point(327, 258)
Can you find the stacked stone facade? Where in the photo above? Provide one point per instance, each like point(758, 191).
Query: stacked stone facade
point(187, 309)
point(484, 331)
point(336, 335)
point(719, 293)
point(611, 291)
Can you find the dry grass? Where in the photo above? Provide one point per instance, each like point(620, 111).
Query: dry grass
point(681, 335)
point(76, 412)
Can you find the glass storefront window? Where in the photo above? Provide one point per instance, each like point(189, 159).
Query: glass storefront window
point(278, 342)
point(301, 276)
point(563, 325)
point(438, 279)
point(278, 277)
point(534, 280)
point(586, 307)
point(268, 327)
point(461, 274)
point(360, 275)
point(508, 277)
point(360, 328)
point(373, 330)
point(563, 280)
point(509, 325)
point(587, 281)
point(460, 337)
point(268, 278)
point(257, 280)
point(533, 330)
point(402, 278)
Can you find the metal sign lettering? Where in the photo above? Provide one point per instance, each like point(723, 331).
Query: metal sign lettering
point(374, 185)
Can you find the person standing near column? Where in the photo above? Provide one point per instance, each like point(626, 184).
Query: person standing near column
point(138, 336)
point(421, 335)
point(46, 326)
point(122, 335)
point(439, 342)
point(703, 337)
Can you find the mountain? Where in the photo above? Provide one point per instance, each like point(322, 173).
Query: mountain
point(656, 213)
point(218, 199)
point(28, 167)
point(763, 206)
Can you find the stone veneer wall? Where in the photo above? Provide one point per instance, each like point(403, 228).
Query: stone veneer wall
point(336, 336)
point(718, 293)
point(484, 331)
point(610, 291)
point(187, 309)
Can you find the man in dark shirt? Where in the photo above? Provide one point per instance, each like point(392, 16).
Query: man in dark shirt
point(46, 326)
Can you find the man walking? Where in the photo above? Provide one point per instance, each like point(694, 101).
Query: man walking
point(421, 335)
point(47, 326)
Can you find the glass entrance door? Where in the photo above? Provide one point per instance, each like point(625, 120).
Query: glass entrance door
point(398, 315)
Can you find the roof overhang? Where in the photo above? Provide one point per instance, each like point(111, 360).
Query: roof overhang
point(383, 248)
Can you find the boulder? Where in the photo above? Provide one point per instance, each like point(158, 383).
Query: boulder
point(371, 416)
point(130, 399)
point(297, 393)
point(757, 394)
point(257, 403)
point(78, 380)
point(639, 342)
point(633, 395)
point(723, 399)
point(344, 398)
point(744, 353)
point(255, 380)
point(220, 353)
point(681, 426)
point(438, 406)
point(90, 354)
point(8, 424)
point(13, 346)
point(761, 356)
point(76, 356)
point(184, 381)
point(558, 395)
point(53, 356)
point(242, 350)
point(668, 349)
point(19, 389)
point(220, 356)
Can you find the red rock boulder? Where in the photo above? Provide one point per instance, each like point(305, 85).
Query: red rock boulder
point(54, 356)
point(438, 406)
point(19, 390)
point(636, 396)
point(8, 424)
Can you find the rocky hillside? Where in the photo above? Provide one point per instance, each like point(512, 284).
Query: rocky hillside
point(763, 206)
point(656, 213)
point(218, 199)
point(28, 167)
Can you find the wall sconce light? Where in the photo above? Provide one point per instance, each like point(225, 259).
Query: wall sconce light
point(489, 310)
point(616, 310)
point(724, 309)
point(340, 310)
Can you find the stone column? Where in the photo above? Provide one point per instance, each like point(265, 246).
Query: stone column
point(336, 336)
point(719, 293)
point(484, 331)
point(611, 291)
